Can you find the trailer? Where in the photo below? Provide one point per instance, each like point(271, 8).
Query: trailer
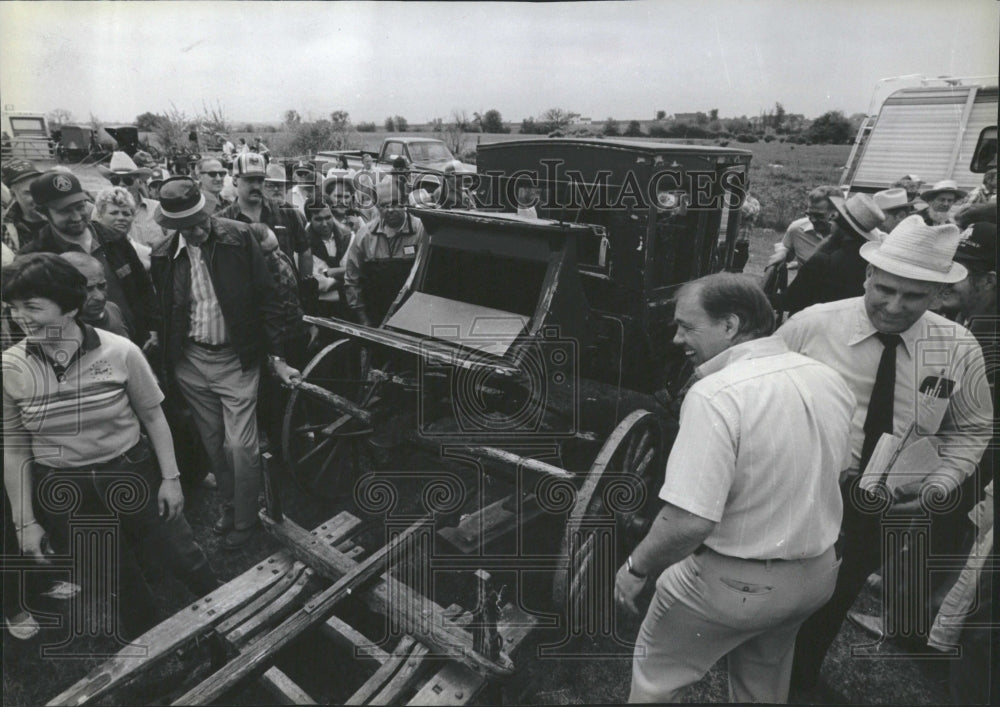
point(941, 128)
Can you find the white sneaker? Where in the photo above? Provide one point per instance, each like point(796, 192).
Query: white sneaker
point(23, 626)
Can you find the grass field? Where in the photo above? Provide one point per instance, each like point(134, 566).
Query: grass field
point(29, 679)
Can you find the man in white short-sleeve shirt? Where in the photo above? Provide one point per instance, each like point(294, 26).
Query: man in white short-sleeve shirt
point(745, 538)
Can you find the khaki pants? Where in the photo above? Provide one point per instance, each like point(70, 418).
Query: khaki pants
point(223, 401)
point(708, 606)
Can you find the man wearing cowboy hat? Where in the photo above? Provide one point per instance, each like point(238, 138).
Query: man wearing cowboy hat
point(22, 216)
point(896, 206)
point(60, 198)
point(836, 270)
point(905, 366)
point(123, 172)
point(222, 315)
point(304, 191)
point(939, 199)
point(274, 184)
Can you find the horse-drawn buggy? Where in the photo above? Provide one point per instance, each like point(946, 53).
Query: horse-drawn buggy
point(512, 392)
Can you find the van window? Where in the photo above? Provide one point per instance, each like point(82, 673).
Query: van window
point(985, 156)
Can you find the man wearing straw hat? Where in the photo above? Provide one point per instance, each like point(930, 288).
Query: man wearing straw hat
point(939, 199)
point(905, 366)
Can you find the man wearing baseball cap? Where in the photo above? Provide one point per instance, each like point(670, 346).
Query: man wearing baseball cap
point(907, 368)
point(17, 176)
point(252, 206)
point(222, 318)
point(67, 209)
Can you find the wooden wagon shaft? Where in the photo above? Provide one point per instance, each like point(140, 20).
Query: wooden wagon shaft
point(420, 616)
point(502, 456)
point(314, 612)
point(340, 403)
point(394, 676)
point(163, 639)
point(436, 351)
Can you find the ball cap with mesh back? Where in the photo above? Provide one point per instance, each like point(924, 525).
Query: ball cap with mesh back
point(15, 171)
point(249, 164)
point(861, 213)
point(917, 251)
point(978, 247)
point(275, 173)
point(57, 189)
point(182, 204)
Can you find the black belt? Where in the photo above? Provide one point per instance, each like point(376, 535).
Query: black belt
point(210, 347)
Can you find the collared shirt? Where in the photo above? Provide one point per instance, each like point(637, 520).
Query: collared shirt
point(207, 324)
point(145, 229)
point(375, 244)
point(957, 413)
point(83, 411)
point(763, 438)
point(802, 239)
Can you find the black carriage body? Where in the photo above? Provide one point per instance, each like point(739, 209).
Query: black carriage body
point(656, 216)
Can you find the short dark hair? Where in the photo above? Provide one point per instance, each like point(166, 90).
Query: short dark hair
point(44, 275)
point(724, 293)
point(313, 208)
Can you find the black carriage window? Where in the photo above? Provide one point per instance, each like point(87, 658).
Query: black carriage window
point(485, 279)
point(985, 156)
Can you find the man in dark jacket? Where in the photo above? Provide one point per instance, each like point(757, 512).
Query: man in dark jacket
point(60, 198)
point(18, 176)
point(836, 270)
point(221, 315)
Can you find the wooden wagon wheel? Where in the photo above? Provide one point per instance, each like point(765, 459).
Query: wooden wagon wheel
point(326, 423)
point(614, 508)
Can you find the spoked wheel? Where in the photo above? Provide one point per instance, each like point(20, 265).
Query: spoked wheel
point(614, 509)
point(326, 422)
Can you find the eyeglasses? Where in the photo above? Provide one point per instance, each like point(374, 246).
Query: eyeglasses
point(116, 181)
point(216, 175)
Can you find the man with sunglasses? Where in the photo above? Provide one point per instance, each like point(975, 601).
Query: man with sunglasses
point(123, 172)
point(805, 234)
point(211, 176)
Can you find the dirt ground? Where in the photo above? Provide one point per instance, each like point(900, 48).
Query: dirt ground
point(879, 675)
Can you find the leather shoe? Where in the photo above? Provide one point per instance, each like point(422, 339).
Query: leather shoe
point(225, 523)
point(238, 538)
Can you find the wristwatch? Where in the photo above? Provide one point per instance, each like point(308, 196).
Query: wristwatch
point(632, 570)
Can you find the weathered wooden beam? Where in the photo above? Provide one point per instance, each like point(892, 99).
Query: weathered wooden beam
point(455, 684)
point(416, 614)
point(198, 618)
point(313, 613)
point(270, 615)
point(283, 690)
point(338, 402)
point(406, 650)
point(405, 678)
point(348, 637)
point(275, 591)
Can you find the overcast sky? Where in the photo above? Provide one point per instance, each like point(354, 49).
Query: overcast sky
point(424, 60)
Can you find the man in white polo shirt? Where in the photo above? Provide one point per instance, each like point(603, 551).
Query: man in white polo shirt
point(742, 551)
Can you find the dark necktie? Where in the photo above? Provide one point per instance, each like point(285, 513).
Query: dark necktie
point(879, 418)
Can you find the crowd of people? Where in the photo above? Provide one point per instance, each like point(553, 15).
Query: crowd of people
point(165, 315)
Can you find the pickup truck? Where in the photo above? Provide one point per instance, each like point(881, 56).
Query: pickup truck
point(421, 153)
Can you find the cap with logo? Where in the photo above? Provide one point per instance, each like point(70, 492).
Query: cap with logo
point(18, 170)
point(978, 247)
point(57, 189)
point(249, 164)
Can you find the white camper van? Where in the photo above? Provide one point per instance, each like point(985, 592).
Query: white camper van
point(943, 128)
